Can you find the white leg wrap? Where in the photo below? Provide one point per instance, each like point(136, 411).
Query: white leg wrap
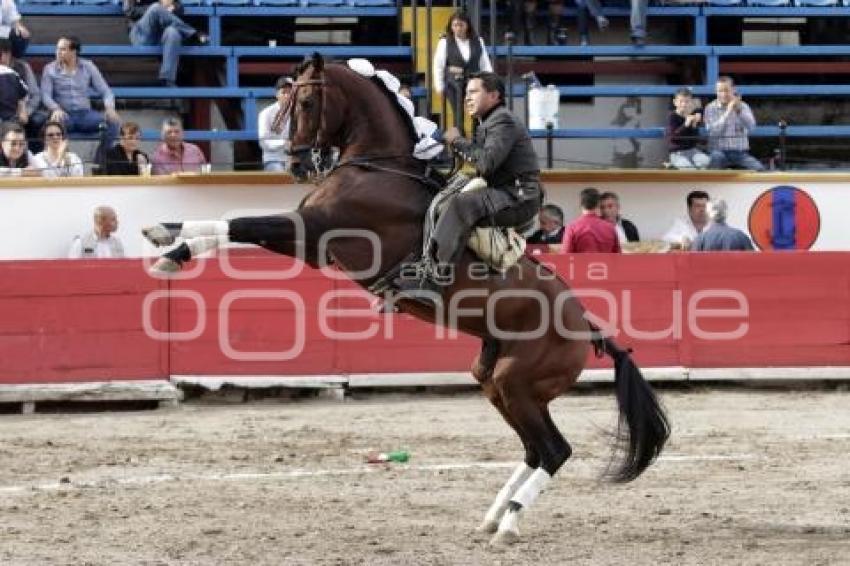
point(521, 473)
point(204, 244)
point(525, 496)
point(528, 492)
point(195, 228)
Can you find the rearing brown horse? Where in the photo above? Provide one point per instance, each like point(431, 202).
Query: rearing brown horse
point(535, 338)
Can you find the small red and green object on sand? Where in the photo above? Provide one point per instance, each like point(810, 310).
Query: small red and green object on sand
point(400, 456)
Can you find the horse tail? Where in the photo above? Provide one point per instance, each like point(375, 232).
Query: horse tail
point(643, 428)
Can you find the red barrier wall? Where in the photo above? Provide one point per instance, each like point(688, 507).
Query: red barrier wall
point(84, 321)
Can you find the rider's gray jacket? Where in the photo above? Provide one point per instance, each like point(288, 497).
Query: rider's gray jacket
point(503, 154)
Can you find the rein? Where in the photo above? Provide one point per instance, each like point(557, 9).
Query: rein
point(367, 162)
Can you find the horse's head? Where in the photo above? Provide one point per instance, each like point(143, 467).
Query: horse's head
point(314, 118)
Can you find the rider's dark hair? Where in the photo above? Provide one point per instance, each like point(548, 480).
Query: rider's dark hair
point(590, 198)
point(609, 194)
point(694, 195)
point(461, 15)
point(491, 83)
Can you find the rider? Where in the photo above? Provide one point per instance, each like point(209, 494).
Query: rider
point(502, 153)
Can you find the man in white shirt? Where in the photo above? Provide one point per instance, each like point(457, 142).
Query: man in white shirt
point(685, 230)
point(100, 242)
point(273, 128)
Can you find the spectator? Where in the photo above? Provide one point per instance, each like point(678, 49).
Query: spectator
point(125, 157)
point(174, 155)
point(459, 54)
point(685, 230)
point(637, 22)
point(524, 20)
point(35, 116)
point(100, 242)
point(592, 7)
point(683, 133)
point(404, 90)
point(18, 34)
point(589, 232)
point(609, 206)
point(160, 23)
point(56, 160)
point(15, 159)
point(66, 86)
point(729, 121)
point(551, 221)
point(13, 90)
point(273, 128)
point(719, 237)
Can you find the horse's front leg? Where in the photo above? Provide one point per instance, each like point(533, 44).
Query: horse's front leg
point(291, 234)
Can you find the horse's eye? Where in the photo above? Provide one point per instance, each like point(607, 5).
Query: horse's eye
point(306, 104)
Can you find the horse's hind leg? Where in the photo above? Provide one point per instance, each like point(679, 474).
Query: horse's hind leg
point(483, 371)
point(521, 473)
point(531, 415)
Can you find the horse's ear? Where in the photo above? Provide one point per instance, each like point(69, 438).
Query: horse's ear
point(318, 61)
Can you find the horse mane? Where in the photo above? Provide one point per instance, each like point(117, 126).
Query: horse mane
point(392, 97)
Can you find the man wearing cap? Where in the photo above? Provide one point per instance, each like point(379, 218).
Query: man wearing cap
point(273, 128)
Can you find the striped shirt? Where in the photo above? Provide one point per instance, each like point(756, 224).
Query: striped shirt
point(728, 132)
point(70, 91)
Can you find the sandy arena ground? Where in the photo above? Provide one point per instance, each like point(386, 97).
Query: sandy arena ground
point(750, 477)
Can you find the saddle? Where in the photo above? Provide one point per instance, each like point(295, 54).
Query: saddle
point(500, 248)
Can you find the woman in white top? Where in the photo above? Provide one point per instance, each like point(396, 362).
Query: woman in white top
point(56, 160)
point(460, 53)
point(273, 128)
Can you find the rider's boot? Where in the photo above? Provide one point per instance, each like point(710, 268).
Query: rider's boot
point(419, 282)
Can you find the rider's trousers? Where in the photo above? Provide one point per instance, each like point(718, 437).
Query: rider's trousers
point(483, 207)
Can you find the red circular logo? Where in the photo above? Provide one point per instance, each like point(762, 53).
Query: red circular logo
point(784, 218)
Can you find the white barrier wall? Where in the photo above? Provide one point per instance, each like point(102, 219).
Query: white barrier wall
point(40, 217)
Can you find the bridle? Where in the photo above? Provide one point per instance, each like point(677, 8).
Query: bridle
point(316, 148)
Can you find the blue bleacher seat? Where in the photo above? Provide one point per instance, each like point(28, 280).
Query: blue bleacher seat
point(325, 3)
point(194, 3)
point(816, 3)
point(279, 3)
point(232, 2)
point(769, 3)
point(93, 2)
point(45, 2)
point(725, 3)
point(373, 3)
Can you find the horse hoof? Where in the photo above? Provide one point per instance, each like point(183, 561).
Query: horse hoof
point(158, 235)
point(504, 538)
point(165, 266)
point(488, 527)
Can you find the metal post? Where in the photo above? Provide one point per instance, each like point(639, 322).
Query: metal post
point(414, 37)
point(430, 56)
point(783, 127)
point(509, 82)
point(492, 41)
point(550, 142)
point(526, 80)
point(473, 9)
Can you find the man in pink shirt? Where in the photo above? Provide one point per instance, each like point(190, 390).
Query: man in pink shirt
point(174, 155)
point(589, 232)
